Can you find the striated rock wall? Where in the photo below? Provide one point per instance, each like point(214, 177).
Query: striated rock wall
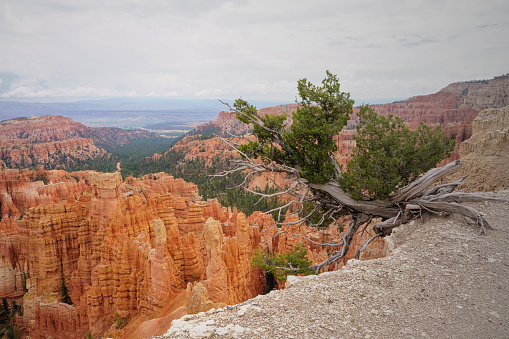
point(22, 189)
point(48, 140)
point(54, 141)
point(56, 320)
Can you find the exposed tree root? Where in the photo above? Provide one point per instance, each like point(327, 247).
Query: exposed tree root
point(417, 200)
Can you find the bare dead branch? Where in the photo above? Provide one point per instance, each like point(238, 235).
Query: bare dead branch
point(321, 244)
point(445, 188)
point(419, 185)
point(356, 222)
point(453, 207)
point(364, 246)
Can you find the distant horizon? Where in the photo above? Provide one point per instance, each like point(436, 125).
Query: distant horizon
point(216, 101)
point(64, 100)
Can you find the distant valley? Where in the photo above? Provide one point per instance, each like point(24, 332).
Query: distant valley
point(168, 117)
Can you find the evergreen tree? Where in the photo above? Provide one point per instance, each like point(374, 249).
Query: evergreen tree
point(282, 265)
point(388, 155)
point(64, 291)
point(8, 328)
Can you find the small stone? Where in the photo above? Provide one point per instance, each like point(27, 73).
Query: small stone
point(291, 280)
point(495, 314)
point(238, 329)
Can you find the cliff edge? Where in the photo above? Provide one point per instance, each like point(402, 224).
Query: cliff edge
point(441, 280)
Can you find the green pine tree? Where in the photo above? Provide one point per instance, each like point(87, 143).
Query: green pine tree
point(64, 290)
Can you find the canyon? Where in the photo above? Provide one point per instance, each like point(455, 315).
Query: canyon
point(144, 250)
point(137, 253)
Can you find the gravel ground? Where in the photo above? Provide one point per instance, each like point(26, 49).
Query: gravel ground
point(442, 280)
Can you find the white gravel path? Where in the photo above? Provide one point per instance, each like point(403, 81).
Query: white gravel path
point(442, 280)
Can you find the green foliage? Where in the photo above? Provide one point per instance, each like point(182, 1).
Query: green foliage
point(295, 261)
point(120, 322)
point(106, 164)
point(8, 327)
point(5, 315)
point(308, 142)
point(24, 278)
point(41, 177)
point(325, 111)
point(141, 148)
point(64, 290)
point(389, 156)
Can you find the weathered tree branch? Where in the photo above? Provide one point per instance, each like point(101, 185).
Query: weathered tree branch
point(356, 222)
point(419, 185)
point(364, 246)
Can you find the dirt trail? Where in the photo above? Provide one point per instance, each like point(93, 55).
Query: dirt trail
point(442, 280)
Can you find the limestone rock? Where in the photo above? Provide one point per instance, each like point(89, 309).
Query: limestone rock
point(485, 155)
point(217, 279)
point(198, 300)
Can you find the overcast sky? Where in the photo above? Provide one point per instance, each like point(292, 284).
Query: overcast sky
point(256, 49)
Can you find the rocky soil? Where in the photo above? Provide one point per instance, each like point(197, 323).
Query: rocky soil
point(441, 280)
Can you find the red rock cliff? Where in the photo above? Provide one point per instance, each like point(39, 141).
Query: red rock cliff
point(56, 141)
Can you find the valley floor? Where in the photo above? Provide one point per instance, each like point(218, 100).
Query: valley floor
point(442, 280)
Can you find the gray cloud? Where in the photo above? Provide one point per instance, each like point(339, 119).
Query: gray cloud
point(414, 40)
point(259, 48)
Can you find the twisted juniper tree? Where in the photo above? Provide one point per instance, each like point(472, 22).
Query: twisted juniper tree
point(390, 175)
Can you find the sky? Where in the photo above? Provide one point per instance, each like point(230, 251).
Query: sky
point(254, 49)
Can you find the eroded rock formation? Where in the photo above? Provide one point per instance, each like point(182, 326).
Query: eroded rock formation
point(129, 248)
point(144, 250)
